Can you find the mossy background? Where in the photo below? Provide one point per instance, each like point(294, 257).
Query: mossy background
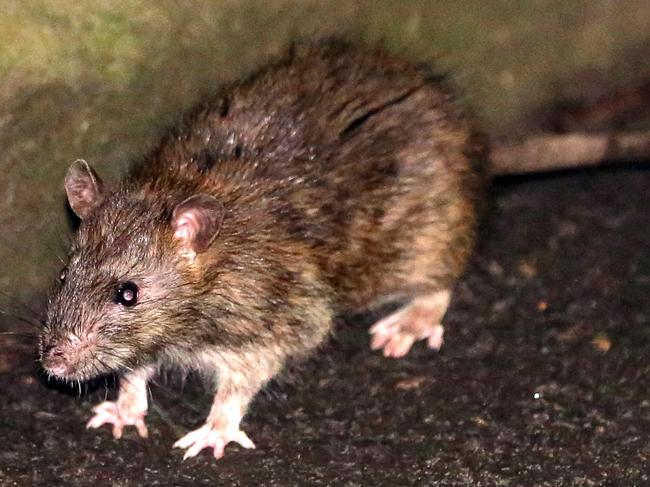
point(100, 79)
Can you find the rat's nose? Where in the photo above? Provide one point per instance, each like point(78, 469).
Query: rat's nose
point(54, 361)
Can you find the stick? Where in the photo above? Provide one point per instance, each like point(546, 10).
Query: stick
point(550, 152)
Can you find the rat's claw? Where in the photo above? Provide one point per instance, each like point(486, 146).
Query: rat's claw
point(105, 413)
point(399, 345)
point(435, 339)
point(208, 436)
point(396, 341)
point(384, 330)
point(419, 320)
point(109, 412)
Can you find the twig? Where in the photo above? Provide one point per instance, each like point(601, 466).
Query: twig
point(550, 152)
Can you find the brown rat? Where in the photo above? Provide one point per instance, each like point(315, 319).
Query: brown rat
point(332, 181)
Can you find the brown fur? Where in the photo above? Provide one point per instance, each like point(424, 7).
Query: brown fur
point(363, 162)
point(347, 178)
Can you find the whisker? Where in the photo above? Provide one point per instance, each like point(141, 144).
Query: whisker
point(18, 333)
point(20, 318)
point(20, 302)
point(105, 389)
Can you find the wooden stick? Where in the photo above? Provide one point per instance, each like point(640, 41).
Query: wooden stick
point(552, 152)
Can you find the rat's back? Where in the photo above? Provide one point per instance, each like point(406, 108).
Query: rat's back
point(372, 155)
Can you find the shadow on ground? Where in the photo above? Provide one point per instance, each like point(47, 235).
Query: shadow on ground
point(543, 379)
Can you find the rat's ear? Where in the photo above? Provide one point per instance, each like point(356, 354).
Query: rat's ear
point(84, 188)
point(196, 221)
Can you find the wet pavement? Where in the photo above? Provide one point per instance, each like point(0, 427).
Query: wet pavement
point(543, 378)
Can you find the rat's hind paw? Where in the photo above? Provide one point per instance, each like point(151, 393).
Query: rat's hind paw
point(396, 338)
point(109, 412)
point(208, 436)
point(418, 320)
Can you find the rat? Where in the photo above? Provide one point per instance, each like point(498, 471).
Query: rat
point(334, 180)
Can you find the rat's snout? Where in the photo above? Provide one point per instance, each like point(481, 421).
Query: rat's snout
point(55, 359)
point(66, 355)
point(60, 355)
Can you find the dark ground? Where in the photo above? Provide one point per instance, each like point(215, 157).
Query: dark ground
point(543, 379)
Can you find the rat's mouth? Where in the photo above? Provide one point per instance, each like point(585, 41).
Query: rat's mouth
point(70, 358)
point(54, 361)
point(56, 365)
point(60, 370)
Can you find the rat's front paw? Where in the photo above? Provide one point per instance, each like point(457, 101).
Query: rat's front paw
point(211, 436)
point(110, 412)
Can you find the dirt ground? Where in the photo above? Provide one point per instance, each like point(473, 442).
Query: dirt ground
point(543, 379)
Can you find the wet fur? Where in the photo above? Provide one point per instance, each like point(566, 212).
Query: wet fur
point(348, 178)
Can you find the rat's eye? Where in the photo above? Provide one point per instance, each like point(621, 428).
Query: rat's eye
point(127, 294)
point(63, 274)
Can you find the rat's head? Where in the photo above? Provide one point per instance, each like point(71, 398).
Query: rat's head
point(126, 279)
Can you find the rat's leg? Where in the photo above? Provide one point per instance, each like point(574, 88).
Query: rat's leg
point(239, 381)
point(130, 407)
point(418, 320)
